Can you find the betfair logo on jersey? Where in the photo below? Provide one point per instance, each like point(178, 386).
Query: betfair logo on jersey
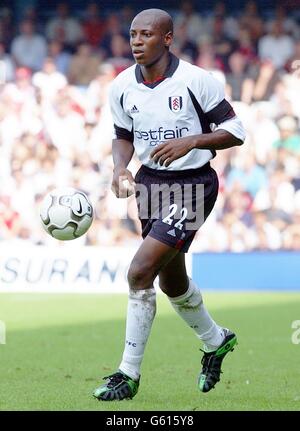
point(175, 103)
point(155, 137)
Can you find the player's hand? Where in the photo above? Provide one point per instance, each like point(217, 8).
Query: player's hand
point(123, 183)
point(171, 150)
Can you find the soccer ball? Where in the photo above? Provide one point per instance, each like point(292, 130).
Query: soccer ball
point(66, 213)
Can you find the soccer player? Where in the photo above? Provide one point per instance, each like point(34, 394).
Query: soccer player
point(163, 109)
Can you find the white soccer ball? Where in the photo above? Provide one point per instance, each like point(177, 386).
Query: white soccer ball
point(66, 213)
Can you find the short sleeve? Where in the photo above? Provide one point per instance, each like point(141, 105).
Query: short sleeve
point(122, 121)
point(210, 94)
point(211, 91)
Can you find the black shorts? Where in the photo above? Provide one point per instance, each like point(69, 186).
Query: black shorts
point(172, 205)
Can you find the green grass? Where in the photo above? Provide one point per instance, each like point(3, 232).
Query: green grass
point(58, 347)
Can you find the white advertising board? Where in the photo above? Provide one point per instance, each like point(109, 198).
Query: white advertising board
point(65, 269)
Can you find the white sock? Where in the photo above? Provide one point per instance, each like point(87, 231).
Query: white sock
point(190, 307)
point(140, 314)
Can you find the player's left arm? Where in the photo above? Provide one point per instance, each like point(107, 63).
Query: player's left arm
point(173, 149)
point(228, 133)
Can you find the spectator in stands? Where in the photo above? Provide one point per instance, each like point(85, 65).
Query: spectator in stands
point(20, 93)
point(264, 235)
point(292, 238)
point(60, 57)
point(238, 202)
point(30, 13)
point(7, 66)
point(251, 20)
point(97, 91)
point(49, 80)
point(223, 46)
point(291, 235)
point(6, 26)
point(126, 16)
point(235, 233)
point(191, 19)
point(64, 28)
point(120, 48)
point(29, 49)
point(9, 219)
point(266, 80)
point(241, 83)
point(183, 45)
point(249, 13)
point(293, 64)
point(244, 45)
point(65, 127)
point(277, 195)
point(207, 57)
point(99, 125)
point(263, 132)
point(276, 46)
point(93, 25)
point(231, 26)
point(247, 175)
point(84, 66)
point(113, 28)
point(289, 138)
point(289, 24)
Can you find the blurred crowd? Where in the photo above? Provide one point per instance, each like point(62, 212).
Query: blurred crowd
point(56, 126)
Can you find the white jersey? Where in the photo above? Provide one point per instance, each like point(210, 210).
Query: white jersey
point(186, 102)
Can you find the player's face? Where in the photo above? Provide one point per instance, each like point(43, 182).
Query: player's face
point(148, 41)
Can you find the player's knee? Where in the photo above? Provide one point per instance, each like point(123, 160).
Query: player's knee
point(140, 275)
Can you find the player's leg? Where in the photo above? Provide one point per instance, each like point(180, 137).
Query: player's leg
point(145, 266)
point(187, 301)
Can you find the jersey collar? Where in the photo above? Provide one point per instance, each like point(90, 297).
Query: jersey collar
point(173, 64)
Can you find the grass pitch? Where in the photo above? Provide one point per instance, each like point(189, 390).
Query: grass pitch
point(58, 347)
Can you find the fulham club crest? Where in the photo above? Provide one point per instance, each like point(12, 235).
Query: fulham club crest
point(175, 103)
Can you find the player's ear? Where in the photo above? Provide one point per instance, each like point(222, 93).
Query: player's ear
point(168, 38)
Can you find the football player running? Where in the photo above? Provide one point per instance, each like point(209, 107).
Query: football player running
point(163, 108)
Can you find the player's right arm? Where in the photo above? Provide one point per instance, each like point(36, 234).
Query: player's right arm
point(122, 144)
point(122, 152)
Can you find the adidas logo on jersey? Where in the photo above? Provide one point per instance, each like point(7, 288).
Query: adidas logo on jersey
point(172, 232)
point(134, 110)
